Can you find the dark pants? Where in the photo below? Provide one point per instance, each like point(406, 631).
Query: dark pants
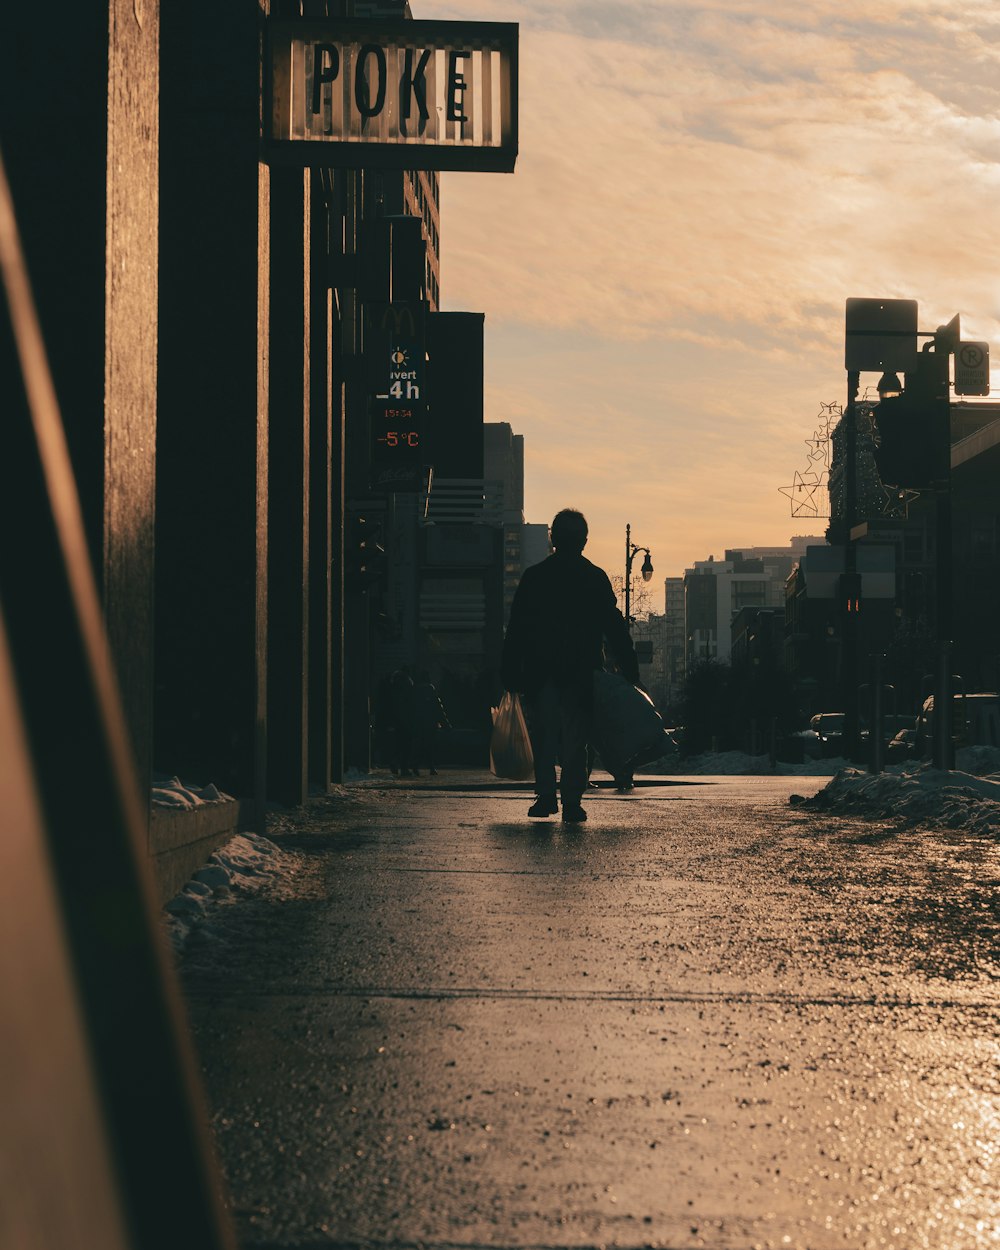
point(559, 724)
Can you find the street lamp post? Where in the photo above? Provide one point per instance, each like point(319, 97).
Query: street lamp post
point(850, 624)
point(946, 342)
point(631, 549)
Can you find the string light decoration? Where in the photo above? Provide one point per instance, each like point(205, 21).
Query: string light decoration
point(809, 491)
point(874, 498)
point(819, 490)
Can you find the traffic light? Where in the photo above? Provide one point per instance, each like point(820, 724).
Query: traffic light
point(364, 555)
point(912, 448)
point(850, 593)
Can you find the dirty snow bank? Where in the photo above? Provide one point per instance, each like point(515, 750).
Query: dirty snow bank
point(919, 794)
point(244, 865)
point(172, 792)
point(967, 798)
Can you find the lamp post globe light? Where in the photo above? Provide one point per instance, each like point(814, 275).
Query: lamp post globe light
point(631, 549)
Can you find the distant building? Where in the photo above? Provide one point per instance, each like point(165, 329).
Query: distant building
point(759, 636)
point(503, 470)
point(909, 529)
point(675, 648)
point(535, 544)
point(814, 630)
point(652, 630)
point(457, 551)
point(716, 590)
point(523, 544)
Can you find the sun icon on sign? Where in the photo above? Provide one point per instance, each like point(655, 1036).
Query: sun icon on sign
point(399, 357)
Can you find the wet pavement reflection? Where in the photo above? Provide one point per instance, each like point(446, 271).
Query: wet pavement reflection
point(704, 1018)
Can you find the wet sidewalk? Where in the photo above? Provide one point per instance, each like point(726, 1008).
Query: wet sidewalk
point(703, 1018)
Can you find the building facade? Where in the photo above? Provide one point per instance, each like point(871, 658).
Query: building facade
point(902, 620)
point(715, 591)
point(204, 314)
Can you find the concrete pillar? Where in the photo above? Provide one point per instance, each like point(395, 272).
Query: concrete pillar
point(322, 501)
point(211, 574)
point(358, 205)
point(288, 487)
point(80, 150)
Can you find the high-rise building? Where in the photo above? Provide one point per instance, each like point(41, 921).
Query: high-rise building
point(675, 658)
point(716, 590)
point(503, 469)
point(536, 545)
point(524, 544)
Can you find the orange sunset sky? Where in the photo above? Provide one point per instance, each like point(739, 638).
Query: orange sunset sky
point(699, 189)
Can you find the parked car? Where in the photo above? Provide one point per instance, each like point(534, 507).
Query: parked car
point(902, 747)
point(975, 721)
point(829, 728)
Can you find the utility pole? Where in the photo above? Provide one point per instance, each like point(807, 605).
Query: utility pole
point(850, 596)
point(628, 577)
point(914, 451)
point(880, 335)
point(647, 572)
point(946, 340)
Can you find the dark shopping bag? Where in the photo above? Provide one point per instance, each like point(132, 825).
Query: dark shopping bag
point(510, 746)
point(627, 728)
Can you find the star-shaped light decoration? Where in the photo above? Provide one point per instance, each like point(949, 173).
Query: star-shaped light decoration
point(809, 493)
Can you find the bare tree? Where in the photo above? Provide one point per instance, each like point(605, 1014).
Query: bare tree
point(640, 598)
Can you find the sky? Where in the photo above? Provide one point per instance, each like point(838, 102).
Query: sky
point(699, 188)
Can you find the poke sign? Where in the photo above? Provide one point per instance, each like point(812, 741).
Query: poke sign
point(972, 369)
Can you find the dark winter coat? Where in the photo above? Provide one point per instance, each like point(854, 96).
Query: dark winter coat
point(564, 610)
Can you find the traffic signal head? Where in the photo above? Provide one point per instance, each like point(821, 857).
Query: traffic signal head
point(912, 447)
point(850, 593)
point(905, 443)
point(364, 555)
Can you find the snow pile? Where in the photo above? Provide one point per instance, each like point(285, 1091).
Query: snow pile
point(916, 793)
point(247, 862)
point(172, 792)
point(980, 760)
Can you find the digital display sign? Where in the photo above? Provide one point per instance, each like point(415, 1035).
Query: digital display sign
point(398, 445)
point(404, 94)
point(394, 347)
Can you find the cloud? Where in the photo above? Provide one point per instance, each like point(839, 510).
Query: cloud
point(700, 187)
point(744, 174)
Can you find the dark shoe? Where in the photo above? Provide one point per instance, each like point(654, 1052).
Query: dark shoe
point(573, 814)
point(433, 772)
point(543, 806)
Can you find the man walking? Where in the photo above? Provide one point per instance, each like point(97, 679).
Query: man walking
point(563, 612)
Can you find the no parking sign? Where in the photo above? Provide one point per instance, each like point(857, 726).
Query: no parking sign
point(972, 369)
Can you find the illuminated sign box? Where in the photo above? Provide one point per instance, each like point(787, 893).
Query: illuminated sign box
point(400, 95)
point(394, 346)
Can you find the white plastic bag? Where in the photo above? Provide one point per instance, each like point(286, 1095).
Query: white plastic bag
point(626, 727)
point(510, 746)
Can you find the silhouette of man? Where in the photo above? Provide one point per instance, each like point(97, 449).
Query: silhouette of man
point(564, 610)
